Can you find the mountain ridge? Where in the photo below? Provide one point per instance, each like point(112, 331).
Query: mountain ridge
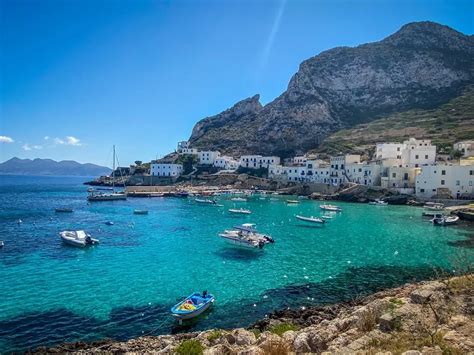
point(38, 166)
point(422, 65)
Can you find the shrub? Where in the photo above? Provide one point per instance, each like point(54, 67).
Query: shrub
point(367, 320)
point(279, 329)
point(216, 334)
point(190, 347)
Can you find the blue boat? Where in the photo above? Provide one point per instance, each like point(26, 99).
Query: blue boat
point(192, 306)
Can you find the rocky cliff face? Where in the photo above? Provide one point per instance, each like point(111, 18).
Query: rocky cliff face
point(422, 65)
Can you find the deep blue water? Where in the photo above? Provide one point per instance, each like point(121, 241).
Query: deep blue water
point(51, 293)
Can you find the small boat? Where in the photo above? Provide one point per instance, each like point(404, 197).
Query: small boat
point(378, 202)
point(64, 210)
point(330, 208)
point(301, 197)
point(1, 243)
point(140, 212)
point(19, 221)
point(240, 210)
point(109, 223)
point(292, 202)
point(205, 201)
point(238, 199)
point(192, 306)
point(90, 189)
point(442, 220)
point(311, 219)
point(433, 206)
point(327, 217)
point(78, 238)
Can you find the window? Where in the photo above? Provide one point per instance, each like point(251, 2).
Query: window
point(470, 183)
point(422, 190)
point(398, 149)
point(442, 182)
point(471, 172)
point(426, 156)
point(394, 175)
point(416, 156)
point(443, 172)
point(458, 182)
point(405, 176)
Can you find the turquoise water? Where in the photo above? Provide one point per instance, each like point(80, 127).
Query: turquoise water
point(51, 293)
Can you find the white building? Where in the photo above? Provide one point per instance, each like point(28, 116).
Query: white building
point(208, 157)
point(183, 145)
point(226, 163)
point(299, 160)
point(296, 173)
point(189, 151)
point(338, 166)
point(440, 180)
point(411, 153)
point(278, 172)
point(166, 169)
point(465, 147)
point(257, 161)
point(367, 174)
point(401, 179)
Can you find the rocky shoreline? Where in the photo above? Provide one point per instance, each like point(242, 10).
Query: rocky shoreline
point(431, 317)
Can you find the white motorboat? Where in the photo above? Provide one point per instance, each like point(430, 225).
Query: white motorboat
point(238, 199)
point(433, 206)
point(78, 238)
point(378, 202)
point(205, 201)
point(96, 196)
point(330, 208)
point(327, 217)
point(442, 220)
point(1, 243)
point(246, 236)
point(239, 210)
point(140, 212)
point(311, 219)
point(292, 202)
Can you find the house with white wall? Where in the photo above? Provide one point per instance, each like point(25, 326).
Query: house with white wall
point(367, 174)
point(166, 169)
point(226, 163)
point(401, 179)
point(465, 147)
point(440, 180)
point(258, 161)
point(338, 166)
point(208, 157)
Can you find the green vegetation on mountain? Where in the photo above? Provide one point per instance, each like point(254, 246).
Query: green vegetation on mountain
point(445, 125)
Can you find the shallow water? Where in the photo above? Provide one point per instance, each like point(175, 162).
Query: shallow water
point(51, 293)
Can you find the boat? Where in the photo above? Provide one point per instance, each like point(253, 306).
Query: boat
point(330, 208)
point(78, 238)
point(311, 219)
point(238, 199)
point(327, 217)
point(192, 306)
point(96, 196)
point(433, 206)
point(1, 243)
point(442, 220)
point(378, 202)
point(205, 201)
point(246, 236)
point(467, 215)
point(90, 189)
point(109, 223)
point(292, 201)
point(240, 210)
point(140, 212)
point(64, 210)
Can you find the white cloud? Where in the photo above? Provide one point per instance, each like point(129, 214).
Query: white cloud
point(69, 140)
point(46, 138)
point(5, 139)
point(29, 147)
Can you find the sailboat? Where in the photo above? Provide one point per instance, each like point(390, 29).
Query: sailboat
point(96, 196)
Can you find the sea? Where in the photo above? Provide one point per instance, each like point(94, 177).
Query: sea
point(51, 293)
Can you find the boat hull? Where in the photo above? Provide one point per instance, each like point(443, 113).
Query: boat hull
point(310, 220)
point(100, 198)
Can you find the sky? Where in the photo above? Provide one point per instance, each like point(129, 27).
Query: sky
point(77, 77)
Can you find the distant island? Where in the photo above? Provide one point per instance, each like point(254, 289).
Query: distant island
point(17, 166)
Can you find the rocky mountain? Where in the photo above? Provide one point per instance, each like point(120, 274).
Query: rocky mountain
point(423, 65)
point(16, 166)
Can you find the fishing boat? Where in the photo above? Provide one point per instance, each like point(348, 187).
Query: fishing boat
point(378, 202)
point(78, 238)
point(239, 210)
point(442, 220)
point(96, 196)
point(205, 201)
point(140, 212)
point(290, 202)
point(192, 306)
point(238, 199)
point(310, 219)
point(64, 210)
point(330, 208)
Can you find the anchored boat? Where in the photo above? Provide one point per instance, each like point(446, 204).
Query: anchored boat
point(311, 219)
point(330, 208)
point(238, 199)
point(240, 210)
point(205, 201)
point(140, 212)
point(290, 202)
point(378, 202)
point(78, 238)
point(64, 210)
point(192, 306)
point(442, 220)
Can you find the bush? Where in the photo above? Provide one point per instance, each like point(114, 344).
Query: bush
point(190, 347)
point(367, 320)
point(216, 334)
point(279, 329)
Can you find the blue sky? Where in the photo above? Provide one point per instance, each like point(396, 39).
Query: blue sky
point(79, 76)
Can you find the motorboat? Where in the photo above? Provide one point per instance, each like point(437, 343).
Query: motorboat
point(192, 306)
point(442, 220)
point(205, 201)
point(1, 243)
point(64, 210)
point(78, 238)
point(140, 212)
point(311, 219)
point(330, 208)
point(246, 236)
point(238, 199)
point(327, 217)
point(239, 210)
point(433, 206)
point(378, 202)
point(109, 223)
point(290, 202)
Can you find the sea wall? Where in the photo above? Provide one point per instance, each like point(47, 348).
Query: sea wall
point(434, 317)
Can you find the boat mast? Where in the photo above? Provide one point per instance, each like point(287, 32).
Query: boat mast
point(113, 172)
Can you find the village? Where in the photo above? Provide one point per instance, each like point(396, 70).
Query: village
point(409, 168)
